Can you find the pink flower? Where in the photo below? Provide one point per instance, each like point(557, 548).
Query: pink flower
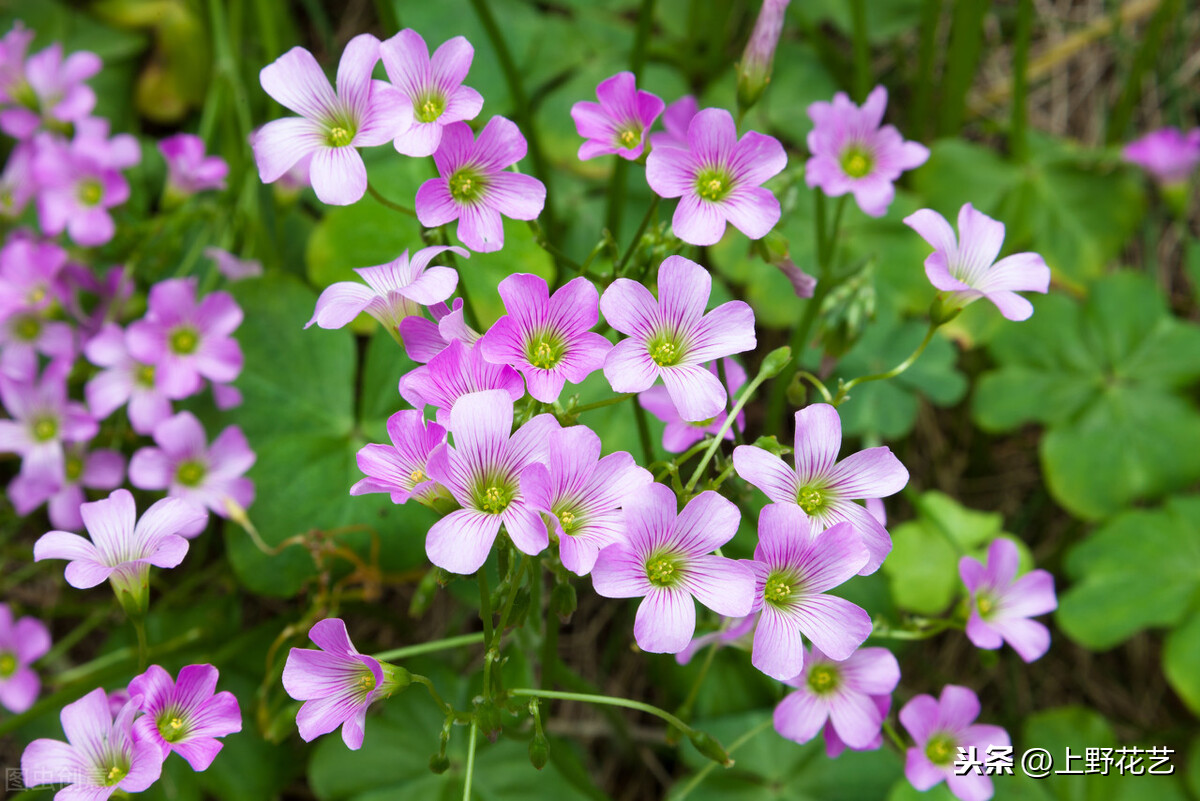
point(123, 380)
point(100, 757)
point(474, 187)
point(336, 683)
point(548, 339)
point(1168, 154)
point(424, 339)
point(432, 89)
point(400, 469)
point(482, 470)
point(43, 419)
point(851, 152)
point(187, 467)
point(848, 698)
point(455, 372)
point(21, 644)
point(967, 270)
point(188, 170)
point(120, 551)
point(667, 558)
point(676, 119)
point(939, 728)
point(17, 185)
point(718, 179)
point(672, 337)
point(754, 70)
point(1001, 607)
point(185, 717)
point(583, 493)
point(619, 122)
point(52, 93)
point(362, 113)
point(794, 565)
point(821, 486)
point(233, 268)
point(187, 341)
point(101, 469)
point(679, 434)
point(394, 290)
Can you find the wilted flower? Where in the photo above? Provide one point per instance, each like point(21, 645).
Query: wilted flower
point(432, 88)
point(718, 178)
point(851, 152)
point(475, 187)
point(967, 270)
point(668, 558)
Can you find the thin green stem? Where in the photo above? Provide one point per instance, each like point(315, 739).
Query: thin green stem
point(470, 762)
point(1018, 141)
point(862, 50)
point(485, 604)
point(383, 201)
point(817, 383)
point(643, 427)
point(606, 700)
point(685, 709)
point(895, 738)
point(447, 644)
point(709, 767)
point(844, 389)
point(928, 629)
point(637, 237)
point(139, 625)
point(747, 393)
point(513, 589)
point(587, 407)
point(424, 681)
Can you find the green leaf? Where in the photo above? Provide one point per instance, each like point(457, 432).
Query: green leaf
point(1103, 375)
point(1141, 569)
point(1181, 661)
point(923, 565)
point(299, 416)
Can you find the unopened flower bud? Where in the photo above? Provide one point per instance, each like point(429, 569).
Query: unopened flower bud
point(707, 745)
point(439, 763)
point(775, 362)
point(754, 71)
point(539, 751)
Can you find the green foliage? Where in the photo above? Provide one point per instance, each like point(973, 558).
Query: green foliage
point(1104, 377)
point(923, 565)
point(1141, 570)
point(302, 416)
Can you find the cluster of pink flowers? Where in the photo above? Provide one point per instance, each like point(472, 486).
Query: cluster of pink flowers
point(119, 741)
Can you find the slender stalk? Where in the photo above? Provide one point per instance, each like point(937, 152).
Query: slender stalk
point(424, 681)
point(685, 709)
point(708, 768)
point(800, 336)
point(1018, 140)
point(485, 604)
point(605, 700)
point(470, 762)
point(587, 407)
point(139, 625)
point(862, 50)
point(817, 383)
point(447, 644)
point(747, 393)
point(844, 389)
point(643, 427)
point(895, 738)
point(637, 237)
point(383, 201)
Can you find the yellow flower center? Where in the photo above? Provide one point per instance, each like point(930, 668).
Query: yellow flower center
point(665, 353)
point(184, 341)
point(430, 109)
point(145, 375)
point(37, 295)
point(8, 664)
point(73, 467)
point(190, 473)
point(810, 499)
point(662, 571)
point(45, 429)
point(629, 137)
point(339, 136)
point(90, 192)
point(985, 605)
point(115, 774)
point(777, 590)
point(466, 185)
point(856, 162)
point(822, 679)
point(545, 353)
point(495, 499)
point(567, 519)
point(417, 476)
point(713, 185)
point(27, 328)
point(940, 750)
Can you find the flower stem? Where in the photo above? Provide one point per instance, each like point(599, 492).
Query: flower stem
point(637, 237)
point(643, 427)
point(470, 762)
point(606, 700)
point(587, 407)
point(844, 390)
point(894, 736)
point(424, 681)
point(862, 50)
point(685, 709)
point(747, 393)
point(139, 625)
point(430, 647)
point(708, 768)
point(485, 604)
point(373, 192)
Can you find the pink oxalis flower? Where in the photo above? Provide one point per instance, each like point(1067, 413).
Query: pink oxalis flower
point(400, 469)
point(455, 372)
point(676, 119)
point(619, 122)
point(101, 469)
point(124, 379)
point(548, 339)
point(672, 337)
point(101, 755)
point(475, 187)
point(1002, 604)
point(336, 683)
point(332, 125)
point(22, 642)
point(853, 152)
point(718, 179)
point(821, 486)
point(794, 566)
point(1168, 154)
point(848, 699)
point(43, 419)
point(185, 716)
point(941, 727)
point(679, 434)
point(188, 170)
point(431, 89)
point(966, 268)
point(51, 93)
point(483, 470)
point(667, 559)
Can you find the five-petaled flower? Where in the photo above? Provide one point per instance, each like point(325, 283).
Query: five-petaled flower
point(185, 716)
point(1002, 604)
point(939, 728)
point(618, 123)
point(22, 642)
